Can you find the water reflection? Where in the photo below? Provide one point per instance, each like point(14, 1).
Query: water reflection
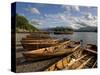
point(87, 37)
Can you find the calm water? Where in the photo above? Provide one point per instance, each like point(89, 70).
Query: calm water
point(87, 37)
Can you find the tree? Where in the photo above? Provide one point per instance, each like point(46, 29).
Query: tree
point(23, 23)
point(63, 29)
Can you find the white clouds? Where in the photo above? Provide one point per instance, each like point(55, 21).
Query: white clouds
point(33, 10)
point(52, 16)
point(82, 21)
point(66, 19)
point(89, 16)
point(63, 17)
point(77, 8)
point(37, 21)
point(69, 21)
point(75, 26)
point(87, 21)
point(71, 8)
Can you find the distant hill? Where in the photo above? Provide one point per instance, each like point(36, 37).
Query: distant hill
point(83, 29)
point(87, 29)
point(62, 29)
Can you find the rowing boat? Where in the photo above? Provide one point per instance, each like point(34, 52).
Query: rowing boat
point(50, 52)
point(39, 41)
point(38, 36)
point(90, 48)
point(31, 38)
point(71, 61)
point(36, 44)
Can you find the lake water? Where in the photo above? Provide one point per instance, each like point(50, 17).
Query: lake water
point(87, 37)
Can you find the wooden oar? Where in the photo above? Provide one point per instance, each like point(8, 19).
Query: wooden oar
point(92, 51)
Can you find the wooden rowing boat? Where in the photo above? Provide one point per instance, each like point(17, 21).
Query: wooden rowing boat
point(72, 61)
point(36, 44)
point(90, 48)
point(38, 36)
point(31, 38)
point(40, 41)
point(50, 52)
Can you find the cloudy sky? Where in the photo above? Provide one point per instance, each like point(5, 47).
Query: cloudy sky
point(50, 15)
